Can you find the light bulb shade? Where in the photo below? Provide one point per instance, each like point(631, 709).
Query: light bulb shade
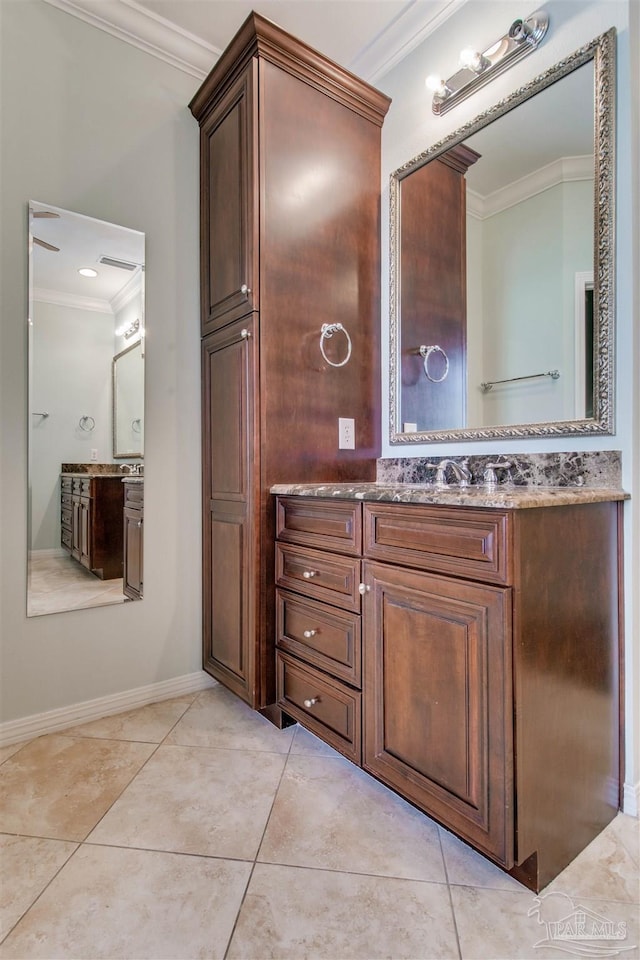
point(437, 85)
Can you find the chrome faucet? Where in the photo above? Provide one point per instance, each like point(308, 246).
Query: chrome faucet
point(133, 468)
point(490, 477)
point(460, 470)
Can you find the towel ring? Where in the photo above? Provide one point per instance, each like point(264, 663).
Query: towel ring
point(425, 353)
point(327, 330)
point(136, 425)
point(86, 423)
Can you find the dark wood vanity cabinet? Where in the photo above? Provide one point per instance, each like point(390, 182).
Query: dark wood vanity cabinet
point(490, 678)
point(91, 522)
point(290, 228)
point(318, 625)
point(133, 537)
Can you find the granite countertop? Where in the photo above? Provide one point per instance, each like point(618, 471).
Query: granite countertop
point(90, 474)
point(89, 470)
point(501, 497)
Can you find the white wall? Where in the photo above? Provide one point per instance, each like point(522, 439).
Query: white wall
point(529, 254)
point(72, 352)
point(411, 127)
point(93, 125)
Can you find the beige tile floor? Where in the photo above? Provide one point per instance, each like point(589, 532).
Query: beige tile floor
point(61, 583)
point(192, 828)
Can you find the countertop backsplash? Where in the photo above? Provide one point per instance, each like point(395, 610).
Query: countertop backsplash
point(598, 468)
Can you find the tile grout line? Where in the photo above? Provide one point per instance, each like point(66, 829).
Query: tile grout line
point(81, 843)
point(258, 848)
point(446, 876)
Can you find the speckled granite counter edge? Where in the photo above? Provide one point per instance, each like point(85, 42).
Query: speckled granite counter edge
point(503, 497)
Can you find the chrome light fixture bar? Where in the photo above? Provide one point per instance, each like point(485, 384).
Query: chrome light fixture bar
point(478, 68)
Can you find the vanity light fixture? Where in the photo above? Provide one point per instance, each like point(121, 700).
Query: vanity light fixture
point(478, 67)
point(127, 330)
point(87, 272)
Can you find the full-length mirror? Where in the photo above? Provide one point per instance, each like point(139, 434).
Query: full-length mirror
point(502, 266)
point(86, 411)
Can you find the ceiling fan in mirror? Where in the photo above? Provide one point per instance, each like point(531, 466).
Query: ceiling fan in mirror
point(46, 215)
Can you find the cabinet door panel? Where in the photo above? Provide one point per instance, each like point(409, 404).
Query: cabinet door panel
point(133, 562)
point(230, 591)
point(438, 710)
point(228, 207)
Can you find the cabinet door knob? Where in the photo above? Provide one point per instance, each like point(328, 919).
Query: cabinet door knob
point(245, 334)
point(309, 633)
point(308, 574)
point(139, 523)
point(364, 588)
point(244, 289)
point(312, 702)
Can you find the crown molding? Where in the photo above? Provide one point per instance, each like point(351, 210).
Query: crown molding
point(402, 35)
point(59, 299)
point(131, 289)
point(563, 170)
point(128, 21)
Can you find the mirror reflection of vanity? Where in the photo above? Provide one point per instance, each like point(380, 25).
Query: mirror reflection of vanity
point(86, 406)
point(501, 246)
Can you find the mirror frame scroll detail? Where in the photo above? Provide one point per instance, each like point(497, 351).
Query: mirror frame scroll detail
point(602, 51)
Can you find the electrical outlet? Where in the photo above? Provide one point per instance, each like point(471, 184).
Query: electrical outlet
point(346, 433)
point(94, 454)
point(410, 428)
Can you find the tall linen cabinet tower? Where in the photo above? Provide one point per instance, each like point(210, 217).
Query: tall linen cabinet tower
point(290, 240)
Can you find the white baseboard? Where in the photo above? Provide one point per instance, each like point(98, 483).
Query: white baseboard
point(38, 724)
point(631, 799)
point(47, 553)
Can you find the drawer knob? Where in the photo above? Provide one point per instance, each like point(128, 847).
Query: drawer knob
point(312, 702)
point(364, 588)
point(308, 574)
point(244, 289)
point(245, 334)
point(309, 633)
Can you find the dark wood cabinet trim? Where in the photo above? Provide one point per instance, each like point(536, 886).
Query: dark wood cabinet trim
point(260, 37)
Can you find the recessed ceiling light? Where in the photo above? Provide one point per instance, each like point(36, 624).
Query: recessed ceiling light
point(87, 272)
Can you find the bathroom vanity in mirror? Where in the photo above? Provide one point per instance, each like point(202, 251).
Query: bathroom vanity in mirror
point(86, 402)
point(91, 510)
point(132, 573)
point(463, 647)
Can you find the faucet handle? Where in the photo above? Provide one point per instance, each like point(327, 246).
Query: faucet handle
point(490, 477)
point(440, 475)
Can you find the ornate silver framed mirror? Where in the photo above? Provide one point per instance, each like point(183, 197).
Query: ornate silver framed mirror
point(502, 266)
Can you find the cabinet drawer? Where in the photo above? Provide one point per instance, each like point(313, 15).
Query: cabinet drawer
point(322, 576)
point(320, 635)
point(133, 495)
point(66, 515)
point(66, 485)
point(65, 501)
point(325, 524)
point(81, 486)
point(66, 539)
point(322, 705)
point(461, 541)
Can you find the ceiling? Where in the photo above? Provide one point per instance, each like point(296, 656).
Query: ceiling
point(368, 37)
point(81, 242)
